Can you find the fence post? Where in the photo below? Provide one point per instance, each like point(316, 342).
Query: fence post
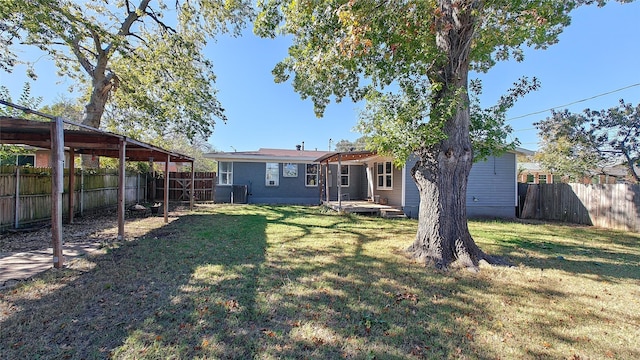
point(82, 191)
point(17, 203)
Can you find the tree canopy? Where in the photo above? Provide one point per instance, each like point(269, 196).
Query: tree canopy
point(353, 49)
point(142, 56)
point(410, 59)
point(578, 144)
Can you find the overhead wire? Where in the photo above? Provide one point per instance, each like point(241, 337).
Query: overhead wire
point(574, 102)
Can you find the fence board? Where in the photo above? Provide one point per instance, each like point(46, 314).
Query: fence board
point(613, 206)
point(95, 189)
point(179, 186)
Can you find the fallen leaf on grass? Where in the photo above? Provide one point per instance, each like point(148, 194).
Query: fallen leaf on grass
point(406, 296)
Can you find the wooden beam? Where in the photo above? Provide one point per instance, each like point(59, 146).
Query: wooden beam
point(166, 189)
point(57, 186)
point(121, 188)
point(72, 184)
point(193, 186)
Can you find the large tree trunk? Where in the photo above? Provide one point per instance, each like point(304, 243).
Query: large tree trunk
point(101, 88)
point(441, 173)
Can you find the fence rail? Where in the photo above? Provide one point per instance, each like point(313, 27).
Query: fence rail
point(613, 206)
point(25, 193)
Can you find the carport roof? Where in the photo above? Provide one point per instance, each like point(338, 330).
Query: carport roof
point(83, 139)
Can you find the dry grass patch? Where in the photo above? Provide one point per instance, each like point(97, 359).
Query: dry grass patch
point(289, 282)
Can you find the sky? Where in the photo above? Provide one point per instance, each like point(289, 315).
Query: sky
point(595, 63)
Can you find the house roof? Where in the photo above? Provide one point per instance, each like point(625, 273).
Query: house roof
point(263, 154)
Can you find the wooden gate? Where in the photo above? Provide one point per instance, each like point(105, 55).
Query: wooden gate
point(180, 186)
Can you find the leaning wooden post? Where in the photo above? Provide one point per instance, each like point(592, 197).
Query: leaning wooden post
point(57, 186)
point(166, 189)
point(72, 183)
point(121, 187)
point(193, 186)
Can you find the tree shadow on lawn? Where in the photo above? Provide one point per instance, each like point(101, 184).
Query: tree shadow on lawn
point(142, 296)
point(609, 255)
point(267, 282)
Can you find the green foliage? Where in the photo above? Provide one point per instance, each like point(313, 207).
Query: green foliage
point(489, 130)
point(358, 49)
point(146, 62)
point(25, 100)
point(575, 144)
point(66, 108)
point(9, 153)
point(360, 144)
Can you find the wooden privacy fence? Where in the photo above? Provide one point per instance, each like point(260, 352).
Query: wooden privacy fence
point(180, 186)
point(25, 193)
point(613, 206)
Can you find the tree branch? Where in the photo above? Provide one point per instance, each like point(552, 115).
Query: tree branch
point(84, 62)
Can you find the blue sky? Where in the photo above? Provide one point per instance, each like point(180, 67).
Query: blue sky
point(598, 53)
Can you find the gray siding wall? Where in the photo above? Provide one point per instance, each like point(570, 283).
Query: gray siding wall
point(291, 190)
point(491, 190)
point(355, 191)
point(411, 193)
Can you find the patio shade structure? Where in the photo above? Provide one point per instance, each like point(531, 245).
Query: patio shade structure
point(339, 157)
point(57, 134)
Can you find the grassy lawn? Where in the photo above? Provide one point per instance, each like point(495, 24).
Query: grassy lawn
point(287, 282)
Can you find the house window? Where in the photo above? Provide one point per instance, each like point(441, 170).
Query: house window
point(542, 179)
point(18, 160)
point(530, 179)
point(344, 175)
point(385, 175)
point(289, 170)
point(272, 177)
point(311, 174)
point(225, 173)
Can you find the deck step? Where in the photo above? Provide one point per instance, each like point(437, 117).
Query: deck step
point(392, 213)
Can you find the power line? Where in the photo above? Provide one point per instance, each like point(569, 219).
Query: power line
point(575, 102)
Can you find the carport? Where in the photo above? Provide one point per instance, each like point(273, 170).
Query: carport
point(56, 134)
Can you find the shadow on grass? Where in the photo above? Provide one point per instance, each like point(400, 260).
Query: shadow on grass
point(144, 294)
point(265, 282)
point(610, 255)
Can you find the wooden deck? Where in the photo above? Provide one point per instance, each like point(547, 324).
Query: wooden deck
point(366, 207)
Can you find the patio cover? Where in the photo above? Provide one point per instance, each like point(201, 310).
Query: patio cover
point(57, 134)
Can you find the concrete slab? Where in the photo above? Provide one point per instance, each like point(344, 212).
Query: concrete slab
point(15, 267)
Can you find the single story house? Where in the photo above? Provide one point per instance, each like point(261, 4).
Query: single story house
point(287, 176)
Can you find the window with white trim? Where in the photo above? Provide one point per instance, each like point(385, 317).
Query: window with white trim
point(225, 173)
point(272, 177)
point(384, 173)
point(311, 174)
point(344, 175)
point(542, 179)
